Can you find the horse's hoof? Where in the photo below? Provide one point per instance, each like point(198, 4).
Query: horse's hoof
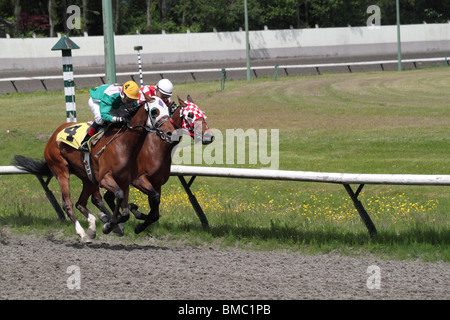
point(86, 239)
point(139, 215)
point(123, 218)
point(139, 228)
point(132, 207)
point(107, 228)
point(91, 234)
point(119, 229)
point(103, 217)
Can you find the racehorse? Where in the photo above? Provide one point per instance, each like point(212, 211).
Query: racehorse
point(154, 166)
point(114, 165)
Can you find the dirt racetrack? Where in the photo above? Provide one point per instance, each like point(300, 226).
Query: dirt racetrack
point(48, 268)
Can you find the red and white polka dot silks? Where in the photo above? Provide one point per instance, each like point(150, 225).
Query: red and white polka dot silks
point(150, 91)
point(190, 114)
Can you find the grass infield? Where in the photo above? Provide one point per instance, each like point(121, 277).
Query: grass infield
point(377, 122)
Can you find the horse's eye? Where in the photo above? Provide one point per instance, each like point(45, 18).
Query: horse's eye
point(154, 112)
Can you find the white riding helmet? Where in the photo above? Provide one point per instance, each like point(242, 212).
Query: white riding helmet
point(165, 86)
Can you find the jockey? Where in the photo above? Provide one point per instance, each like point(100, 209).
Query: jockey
point(163, 90)
point(106, 98)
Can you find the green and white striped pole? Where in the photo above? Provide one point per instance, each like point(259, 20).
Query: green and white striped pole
point(66, 45)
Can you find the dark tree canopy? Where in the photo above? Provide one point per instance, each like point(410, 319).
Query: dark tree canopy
point(23, 18)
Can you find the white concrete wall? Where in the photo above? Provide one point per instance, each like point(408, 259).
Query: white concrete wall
point(36, 54)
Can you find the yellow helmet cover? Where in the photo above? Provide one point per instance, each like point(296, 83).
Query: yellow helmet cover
point(131, 90)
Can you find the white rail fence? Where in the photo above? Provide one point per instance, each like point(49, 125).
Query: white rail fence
point(349, 66)
point(345, 179)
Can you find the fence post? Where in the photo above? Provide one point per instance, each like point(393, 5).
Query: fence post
point(141, 80)
point(222, 80)
point(66, 45)
point(276, 73)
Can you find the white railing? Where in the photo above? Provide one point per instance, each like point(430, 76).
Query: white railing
point(306, 176)
point(309, 176)
point(288, 175)
point(101, 76)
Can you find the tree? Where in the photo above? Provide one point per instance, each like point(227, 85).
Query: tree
point(148, 13)
point(163, 6)
point(84, 22)
point(17, 10)
point(47, 17)
point(51, 17)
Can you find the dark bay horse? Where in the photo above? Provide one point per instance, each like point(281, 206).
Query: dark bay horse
point(154, 159)
point(114, 169)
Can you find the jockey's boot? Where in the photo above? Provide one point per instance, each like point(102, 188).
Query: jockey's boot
point(90, 132)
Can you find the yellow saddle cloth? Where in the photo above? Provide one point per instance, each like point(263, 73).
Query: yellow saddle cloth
point(74, 135)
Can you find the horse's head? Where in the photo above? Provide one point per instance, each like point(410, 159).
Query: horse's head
point(193, 121)
point(158, 118)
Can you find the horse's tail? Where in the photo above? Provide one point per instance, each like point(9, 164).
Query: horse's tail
point(37, 167)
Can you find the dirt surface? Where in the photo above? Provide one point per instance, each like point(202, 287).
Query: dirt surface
point(47, 268)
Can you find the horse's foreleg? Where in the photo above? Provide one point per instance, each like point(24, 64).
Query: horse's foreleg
point(81, 205)
point(154, 199)
point(104, 215)
point(110, 200)
point(110, 184)
point(153, 216)
point(143, 184)
point(124, 205)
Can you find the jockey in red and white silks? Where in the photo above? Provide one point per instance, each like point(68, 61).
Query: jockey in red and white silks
point(163, 89)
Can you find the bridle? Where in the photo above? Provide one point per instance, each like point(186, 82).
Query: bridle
point(155, 126)
point(172, 109)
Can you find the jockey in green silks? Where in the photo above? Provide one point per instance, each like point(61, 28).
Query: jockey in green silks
point(106, 98)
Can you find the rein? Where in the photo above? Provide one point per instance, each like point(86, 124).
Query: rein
point(110, 140)
point(155, 130)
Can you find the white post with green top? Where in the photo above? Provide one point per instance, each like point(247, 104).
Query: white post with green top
point(66, 45)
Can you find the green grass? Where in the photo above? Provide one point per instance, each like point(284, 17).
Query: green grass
point(378, 122)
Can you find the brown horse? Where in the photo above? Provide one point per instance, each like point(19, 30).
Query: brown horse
point(154, 166)
point(114, 169)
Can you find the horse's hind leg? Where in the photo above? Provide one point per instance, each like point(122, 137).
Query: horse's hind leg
point(81, 205)
point(63, 179)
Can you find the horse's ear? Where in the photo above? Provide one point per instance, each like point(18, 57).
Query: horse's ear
point(189, 98)
point(148, 98)
point(182, 103)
